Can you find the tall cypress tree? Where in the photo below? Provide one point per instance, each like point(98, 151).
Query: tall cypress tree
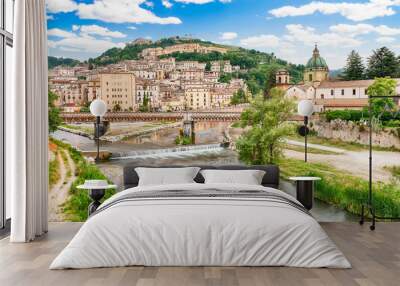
point(354, 69)
point(382, 63)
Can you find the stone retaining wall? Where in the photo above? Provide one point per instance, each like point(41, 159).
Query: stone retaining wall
point(353, 132)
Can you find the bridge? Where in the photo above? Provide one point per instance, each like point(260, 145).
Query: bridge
point(226, 116)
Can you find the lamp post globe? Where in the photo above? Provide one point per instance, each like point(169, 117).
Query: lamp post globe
point(98, 108)
point(305, 108)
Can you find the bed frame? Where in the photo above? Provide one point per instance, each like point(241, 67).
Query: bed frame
point(270, 179)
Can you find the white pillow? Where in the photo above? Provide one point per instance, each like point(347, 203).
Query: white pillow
point(166, 176)
point(247, 177)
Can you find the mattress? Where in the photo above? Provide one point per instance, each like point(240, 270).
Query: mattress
point(201, 225)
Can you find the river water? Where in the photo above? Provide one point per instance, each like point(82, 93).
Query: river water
point(158, 148)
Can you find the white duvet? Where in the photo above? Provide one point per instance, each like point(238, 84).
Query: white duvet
point(200, 232)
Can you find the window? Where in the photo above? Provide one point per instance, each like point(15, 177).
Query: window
point(342, 91)
point(6, 44)
point(332, 92)
point(354, 92)
point(310, 77)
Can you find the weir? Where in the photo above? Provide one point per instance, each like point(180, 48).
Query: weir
point(180, 151)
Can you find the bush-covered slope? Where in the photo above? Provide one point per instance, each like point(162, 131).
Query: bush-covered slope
point(54, 62)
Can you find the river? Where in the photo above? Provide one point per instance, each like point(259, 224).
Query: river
point(158, 148)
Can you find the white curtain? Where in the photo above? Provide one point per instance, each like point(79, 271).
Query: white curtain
point(27, 124)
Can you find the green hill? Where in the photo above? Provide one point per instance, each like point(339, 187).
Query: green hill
point(54, 62)
point(258, 67)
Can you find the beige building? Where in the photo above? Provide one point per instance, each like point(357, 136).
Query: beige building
point(149, 89)
point(197, 97)
point(93, 88)
point(181, 48)
point(118, 89)
point(69, 92)
point(190, 65)
point(221, 97)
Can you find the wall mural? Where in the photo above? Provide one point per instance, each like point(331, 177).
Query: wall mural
point(188, 82)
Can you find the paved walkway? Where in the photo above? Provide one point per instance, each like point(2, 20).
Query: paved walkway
point(355, 162)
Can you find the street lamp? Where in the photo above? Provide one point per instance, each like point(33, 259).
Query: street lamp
point(98, 108)
point(305, 108)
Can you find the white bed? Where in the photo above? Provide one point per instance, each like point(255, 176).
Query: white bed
point(200, 231)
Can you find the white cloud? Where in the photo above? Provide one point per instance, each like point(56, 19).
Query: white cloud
point(149, 4)
point(100, 31)
point(166, 3)
point(132, 28)
point(121, 11)
point(363, 29)
point(58, 6)
point(59, 33)
point(227, 36)
point(80, 43)
point(385, 40)
point(75, 27)
point(352, 11)
point(261, 41)
point(308, 36)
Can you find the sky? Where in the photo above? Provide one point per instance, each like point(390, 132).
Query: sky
point(85, 28)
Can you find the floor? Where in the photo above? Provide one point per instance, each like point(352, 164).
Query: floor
point(375, 257)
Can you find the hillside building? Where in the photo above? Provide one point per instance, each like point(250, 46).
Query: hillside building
point(118, 89)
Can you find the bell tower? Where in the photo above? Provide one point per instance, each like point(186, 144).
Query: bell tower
point(282, 78)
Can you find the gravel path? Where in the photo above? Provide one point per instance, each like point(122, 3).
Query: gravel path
point(58, 194)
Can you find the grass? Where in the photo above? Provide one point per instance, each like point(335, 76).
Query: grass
point(309, 150)
point(350, 146)
point(54, 170)
point(75, 208)
point(345, 191)
point(395, 170)
point(84, 129)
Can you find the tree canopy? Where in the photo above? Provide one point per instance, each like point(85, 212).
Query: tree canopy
point(54, 112)
point(382, 87)
point(354, 69)
point(268, 123)
point(382, 63)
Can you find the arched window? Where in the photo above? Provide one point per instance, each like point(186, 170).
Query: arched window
point(310, 77)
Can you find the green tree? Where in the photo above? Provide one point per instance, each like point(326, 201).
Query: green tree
point(54, 113)
point(382, 63)
point(270, 82)
point(239, 97)
point(354, 69)
point(145, 106)
point(268, 122)
point(382, 87)
point(117, 108)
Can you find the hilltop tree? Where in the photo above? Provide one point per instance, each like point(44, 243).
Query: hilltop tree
point(382, 63)
point(354, 69)
point(268, 122)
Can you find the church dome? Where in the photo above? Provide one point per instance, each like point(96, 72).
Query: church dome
point(316, 62)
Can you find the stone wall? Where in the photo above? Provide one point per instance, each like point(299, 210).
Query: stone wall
point(353, 132)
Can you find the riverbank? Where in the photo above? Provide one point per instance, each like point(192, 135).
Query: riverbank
point(66, 202)
point(119, 131)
